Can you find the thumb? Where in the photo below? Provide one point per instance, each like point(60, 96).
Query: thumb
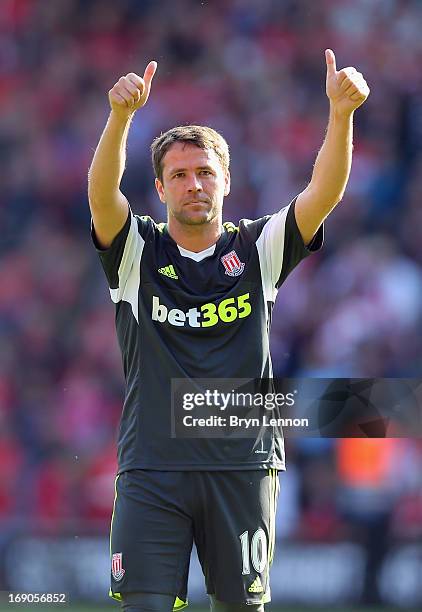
point(330, 59)
point(149, 73)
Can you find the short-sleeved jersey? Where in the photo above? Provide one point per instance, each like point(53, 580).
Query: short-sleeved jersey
point(168, 326)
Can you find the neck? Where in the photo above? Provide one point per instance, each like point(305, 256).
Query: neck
point(195, 238)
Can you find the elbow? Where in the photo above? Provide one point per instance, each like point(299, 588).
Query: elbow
point(95, 198)
point(95, 194)
point(326, 201)
point(91, 189)
point(333, 199)
point(339, 197)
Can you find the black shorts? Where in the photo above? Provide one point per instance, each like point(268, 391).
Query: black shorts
point(230, 515)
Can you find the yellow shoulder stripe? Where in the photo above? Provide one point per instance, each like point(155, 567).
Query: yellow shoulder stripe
point(230, 227)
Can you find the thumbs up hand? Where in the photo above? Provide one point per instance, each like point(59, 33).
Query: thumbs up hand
point(346, 88)
point(131, 92)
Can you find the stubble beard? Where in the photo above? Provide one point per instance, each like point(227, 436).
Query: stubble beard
point(185, 218)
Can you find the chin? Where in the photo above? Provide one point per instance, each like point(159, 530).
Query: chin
point(196, 218)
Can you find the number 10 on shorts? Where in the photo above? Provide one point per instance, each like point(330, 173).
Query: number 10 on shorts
point(255, 551)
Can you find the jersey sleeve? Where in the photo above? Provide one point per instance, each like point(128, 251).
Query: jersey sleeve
point(281, 247)
point(121, 261)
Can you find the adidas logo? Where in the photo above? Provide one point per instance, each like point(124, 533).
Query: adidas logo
point(168, 271)
point(256, 586)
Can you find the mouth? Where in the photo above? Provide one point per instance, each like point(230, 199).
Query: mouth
point(196, 204)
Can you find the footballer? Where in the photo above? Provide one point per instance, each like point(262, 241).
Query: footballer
point(193, 299)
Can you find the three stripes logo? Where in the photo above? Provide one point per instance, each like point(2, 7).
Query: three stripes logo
point(168, 271)
point(256, 586)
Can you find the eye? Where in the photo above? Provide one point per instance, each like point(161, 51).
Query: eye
point(179, 174)
point(206, 172)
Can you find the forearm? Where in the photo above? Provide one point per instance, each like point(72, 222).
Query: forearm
point(108, 164)
point(334, 161)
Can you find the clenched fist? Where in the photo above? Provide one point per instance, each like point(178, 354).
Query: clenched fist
point(346, 88)
point(131, 91)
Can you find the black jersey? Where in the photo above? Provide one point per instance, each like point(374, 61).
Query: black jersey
point(170, 325)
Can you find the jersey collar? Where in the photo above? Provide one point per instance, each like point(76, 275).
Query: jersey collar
point(208, 252)
point(197, 256)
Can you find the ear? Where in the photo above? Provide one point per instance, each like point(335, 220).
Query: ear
point(160, 190)
point(227, 183)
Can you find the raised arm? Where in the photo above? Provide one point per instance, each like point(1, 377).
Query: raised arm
point(346, 90)
point(109, 206)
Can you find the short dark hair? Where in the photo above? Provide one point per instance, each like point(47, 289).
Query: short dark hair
point(203, 137)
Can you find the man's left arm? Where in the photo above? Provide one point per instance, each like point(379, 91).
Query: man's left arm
point(346, 90)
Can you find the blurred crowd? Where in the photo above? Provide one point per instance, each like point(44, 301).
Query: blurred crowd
point(256, 72)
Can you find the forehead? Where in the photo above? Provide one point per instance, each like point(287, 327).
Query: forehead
point(187, 155)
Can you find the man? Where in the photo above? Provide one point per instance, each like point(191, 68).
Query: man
point(193, 300)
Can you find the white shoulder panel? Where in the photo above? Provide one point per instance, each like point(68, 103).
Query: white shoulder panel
point(130, 270)
point(270, 246)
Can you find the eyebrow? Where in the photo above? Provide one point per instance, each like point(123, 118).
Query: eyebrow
point(176, 170)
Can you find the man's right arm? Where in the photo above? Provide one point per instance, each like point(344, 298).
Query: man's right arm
point(109, 206)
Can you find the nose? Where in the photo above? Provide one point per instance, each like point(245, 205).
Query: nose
point(194, 184)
